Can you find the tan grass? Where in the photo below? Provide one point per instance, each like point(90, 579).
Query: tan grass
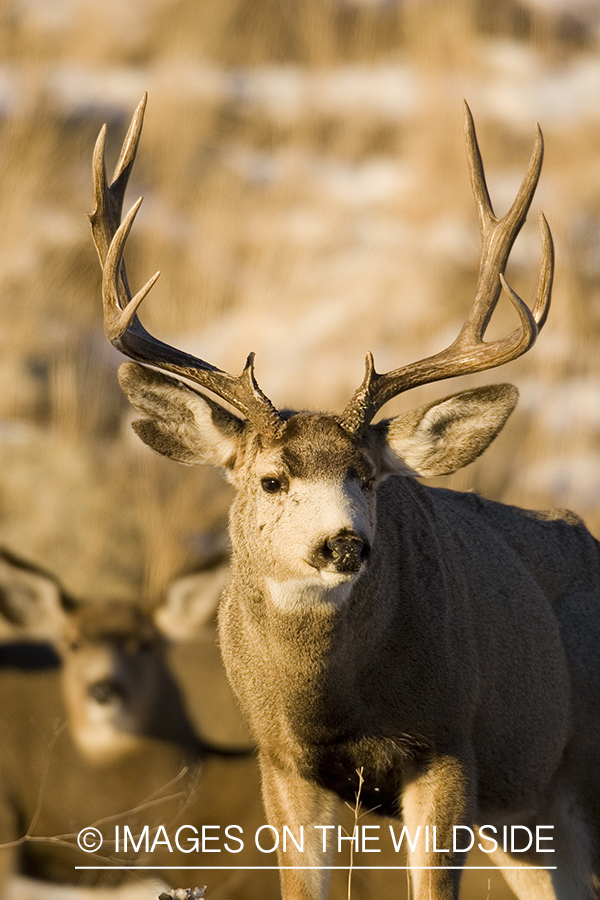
point(272, 234)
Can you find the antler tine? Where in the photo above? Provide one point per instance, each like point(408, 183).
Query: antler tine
point(543, 296)
point(108, 199)
point(121, 323)
point(498, 235)
point(469, 353)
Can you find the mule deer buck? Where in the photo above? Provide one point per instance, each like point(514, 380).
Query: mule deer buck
point(98, 734)
point(446, 646)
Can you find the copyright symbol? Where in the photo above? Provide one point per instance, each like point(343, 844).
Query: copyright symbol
point(89, 840)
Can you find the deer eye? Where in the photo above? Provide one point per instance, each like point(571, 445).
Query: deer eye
point(367, 482)
point(271, 485)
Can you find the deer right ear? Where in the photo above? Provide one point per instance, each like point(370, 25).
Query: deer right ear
point(179, 422)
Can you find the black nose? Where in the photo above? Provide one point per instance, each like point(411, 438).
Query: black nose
point(106, 690)
point(345, 552)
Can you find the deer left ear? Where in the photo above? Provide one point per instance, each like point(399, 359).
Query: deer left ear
point(190, 603)
point(446, 435)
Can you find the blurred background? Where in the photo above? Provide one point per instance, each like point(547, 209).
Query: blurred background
point(306, 197)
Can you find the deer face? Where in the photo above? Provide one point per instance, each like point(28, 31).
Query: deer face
point(306, 503)
point(119, 660)
point(112, 656)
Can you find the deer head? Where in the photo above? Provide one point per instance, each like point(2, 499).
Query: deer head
point(116, 684)
point(305, 509)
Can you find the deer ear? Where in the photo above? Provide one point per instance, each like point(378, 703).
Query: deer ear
point(446, 435)
point(190, 603)
point(179, 422)
point(32, 603)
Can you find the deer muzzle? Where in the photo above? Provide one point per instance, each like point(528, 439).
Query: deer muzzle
point(106, 691)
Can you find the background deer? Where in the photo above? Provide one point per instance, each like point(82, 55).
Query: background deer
point(100, 713)
point(444, 645)
point(95, 731)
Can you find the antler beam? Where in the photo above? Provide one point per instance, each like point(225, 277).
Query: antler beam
point(121, 323)
point(469, 353)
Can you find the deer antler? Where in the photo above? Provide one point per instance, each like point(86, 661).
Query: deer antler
point(121, 323)
point(469, 353)
point(466, 355)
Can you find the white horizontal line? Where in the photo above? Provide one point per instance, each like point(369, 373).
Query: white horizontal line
point(323, 868)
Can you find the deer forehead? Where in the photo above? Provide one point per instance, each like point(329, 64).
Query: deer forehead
point(314, 446)
point(111, 623)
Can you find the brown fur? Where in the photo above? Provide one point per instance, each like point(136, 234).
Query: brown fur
point(61, 770)
point(458, 668)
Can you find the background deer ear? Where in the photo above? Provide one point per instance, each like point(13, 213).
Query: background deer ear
point(446, 435)
point(32, 603)
point(182, 424)
point(190, 603)
point(187, 617)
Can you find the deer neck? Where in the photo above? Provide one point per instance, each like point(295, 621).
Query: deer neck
point(281, 651)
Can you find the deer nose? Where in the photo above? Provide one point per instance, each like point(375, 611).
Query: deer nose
point(106, 690)
point(344, 552)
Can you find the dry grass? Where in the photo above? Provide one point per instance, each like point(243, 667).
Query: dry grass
point(306, 197)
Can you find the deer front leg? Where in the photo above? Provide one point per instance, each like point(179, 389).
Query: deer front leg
point(292, 801)
point(433, 802)
point(8, 860)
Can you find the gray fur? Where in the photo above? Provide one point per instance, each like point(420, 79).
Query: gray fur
point(459, 667)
